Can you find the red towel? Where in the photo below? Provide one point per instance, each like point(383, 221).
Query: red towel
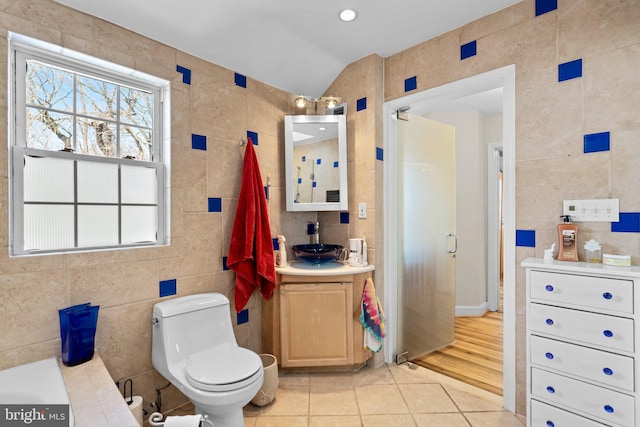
point(251, 248)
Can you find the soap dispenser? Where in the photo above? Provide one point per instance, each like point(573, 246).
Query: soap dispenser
point(567, 240)
point(282, 250)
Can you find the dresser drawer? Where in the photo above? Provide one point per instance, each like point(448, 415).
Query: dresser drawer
point(594, 365)
point(584, 291)
point(606, 405)
point(590, 328)
point(543, 415)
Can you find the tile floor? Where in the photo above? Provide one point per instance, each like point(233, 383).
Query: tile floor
point(390, 395)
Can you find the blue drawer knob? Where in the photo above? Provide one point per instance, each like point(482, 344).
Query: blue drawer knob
point(608, 371)
point(549, 356)
point(550, 424)
point(549, 322)
point(607, 333)
point(549, 288)
point(607, 295)
point(608, 408)
point(551, 389)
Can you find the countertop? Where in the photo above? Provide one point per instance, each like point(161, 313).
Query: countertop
point(582, 267)
point(329, 269)
point(95, 399)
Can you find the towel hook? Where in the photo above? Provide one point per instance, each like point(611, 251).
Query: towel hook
point(243, 142)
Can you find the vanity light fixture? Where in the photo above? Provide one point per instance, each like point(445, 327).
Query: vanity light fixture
point(301, 102)
point(331, 102)
point(348, 15)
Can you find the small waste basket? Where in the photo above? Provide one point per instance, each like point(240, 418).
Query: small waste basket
point(78, 332)
point(270, 385)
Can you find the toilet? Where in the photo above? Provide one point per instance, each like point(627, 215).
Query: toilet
point(193, 346)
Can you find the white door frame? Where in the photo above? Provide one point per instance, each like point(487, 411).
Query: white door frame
point(493, 225)
point(503, 77)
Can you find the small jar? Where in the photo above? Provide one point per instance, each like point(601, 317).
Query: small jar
point(593, 251)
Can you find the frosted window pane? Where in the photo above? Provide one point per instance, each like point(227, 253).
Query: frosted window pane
point(48, 227)
point(139, 224)
point(48, 179)
point(139, 185)
point(97, 182)
point(97, 226)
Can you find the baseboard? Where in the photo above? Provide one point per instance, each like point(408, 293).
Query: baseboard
point(472, 310)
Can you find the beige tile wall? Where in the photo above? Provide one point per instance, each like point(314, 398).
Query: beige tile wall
point(552, 117)
point(125, 283)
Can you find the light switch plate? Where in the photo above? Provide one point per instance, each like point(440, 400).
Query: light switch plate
point(362, 210)
point(595, 210)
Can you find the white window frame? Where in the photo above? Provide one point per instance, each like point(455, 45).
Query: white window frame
point(21, 49)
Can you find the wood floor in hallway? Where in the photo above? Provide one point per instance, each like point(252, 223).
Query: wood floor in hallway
point(475, 357)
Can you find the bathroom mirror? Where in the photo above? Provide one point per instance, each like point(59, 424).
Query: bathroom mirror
point(316, 162)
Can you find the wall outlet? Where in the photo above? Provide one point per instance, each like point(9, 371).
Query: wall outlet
point(362, 210)
point(595, 210)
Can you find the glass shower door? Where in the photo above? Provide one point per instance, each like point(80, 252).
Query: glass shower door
point(426, 236)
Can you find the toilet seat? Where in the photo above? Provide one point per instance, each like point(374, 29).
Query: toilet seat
point(224, 367)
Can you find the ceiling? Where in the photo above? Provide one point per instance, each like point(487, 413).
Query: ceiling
point(299, 46)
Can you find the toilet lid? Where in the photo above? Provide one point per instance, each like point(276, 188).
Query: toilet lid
point(222, 368)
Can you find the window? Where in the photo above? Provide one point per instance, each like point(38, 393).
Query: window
point(88, 152)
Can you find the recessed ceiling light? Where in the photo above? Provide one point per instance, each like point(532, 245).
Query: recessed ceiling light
point(348, 15)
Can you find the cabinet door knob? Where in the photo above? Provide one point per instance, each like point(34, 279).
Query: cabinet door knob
point(551, 389)
point(607, 371)
point(607, 295)
point(549, 288)
point(607, 333)
point(550, 424)
point(608, 408)
point(549, 356)
point(549, 322)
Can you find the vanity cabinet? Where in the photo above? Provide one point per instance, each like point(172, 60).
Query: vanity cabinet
point(314, 321)
point(583, 361)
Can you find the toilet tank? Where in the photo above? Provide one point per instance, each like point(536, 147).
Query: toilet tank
point(189, 324)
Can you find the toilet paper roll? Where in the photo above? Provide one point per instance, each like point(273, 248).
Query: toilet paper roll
point(183, 421)
point(136, 408)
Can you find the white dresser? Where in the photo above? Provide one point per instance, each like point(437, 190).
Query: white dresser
point(583, 338)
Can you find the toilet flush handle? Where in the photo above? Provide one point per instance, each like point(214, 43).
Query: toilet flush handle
point(155, 321)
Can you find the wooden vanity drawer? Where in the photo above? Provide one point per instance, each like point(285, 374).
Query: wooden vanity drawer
point(583, 291)
point(590, 328)
point(593, 365)
point(543, 415)
point(606, 405)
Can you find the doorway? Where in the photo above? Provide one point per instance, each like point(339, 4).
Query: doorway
point(501, 78)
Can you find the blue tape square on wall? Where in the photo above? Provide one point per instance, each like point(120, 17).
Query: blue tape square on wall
point(253, 136)
point(214, 204)
point(224, 263)
point(410, 84)
point(361, 104)
point(276, 244)
point(468, 50)
point(379, 154)
point(629, 222)
point(570, 70)
point(318, 161)
point(198, 142)
point(344, 217)
point(243, 316)
point(168, 287)
point(526, 238)
point(315, 184)
point(186, 74)
point(597, 142)
point(544, 6)
point(335, 164)
point(240, 80)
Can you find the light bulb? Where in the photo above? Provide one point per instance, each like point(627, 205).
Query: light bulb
point(301, 101)
point(348, 15)
point(331, 103)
